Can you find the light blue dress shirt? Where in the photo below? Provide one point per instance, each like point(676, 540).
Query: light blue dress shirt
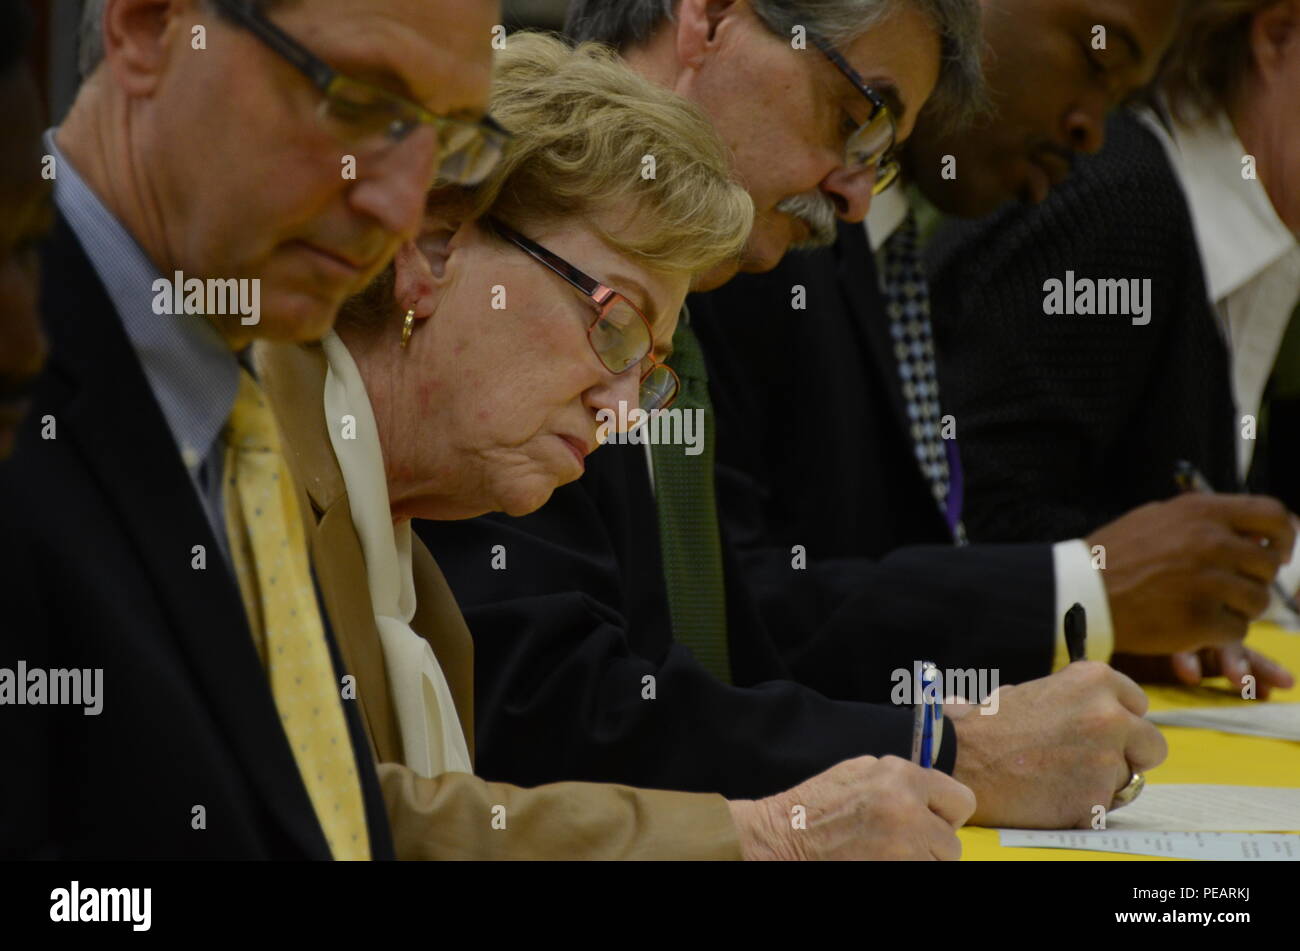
point(193, 374)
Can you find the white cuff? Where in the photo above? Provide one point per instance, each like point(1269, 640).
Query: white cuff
point(1078, 581)
point(1288, 577)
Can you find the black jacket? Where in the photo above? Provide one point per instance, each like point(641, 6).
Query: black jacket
point(96, 531)
point(1067, 422)
point(567, 633)
point(815, 450)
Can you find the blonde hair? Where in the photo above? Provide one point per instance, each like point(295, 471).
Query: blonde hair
point(589, 134)
point(582, 123)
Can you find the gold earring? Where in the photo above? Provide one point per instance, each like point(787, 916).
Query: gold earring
point(407, 326)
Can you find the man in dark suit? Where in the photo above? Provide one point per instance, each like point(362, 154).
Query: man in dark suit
point(876, 470)
point(590, 665)
point(140, 626)
point(834, 521)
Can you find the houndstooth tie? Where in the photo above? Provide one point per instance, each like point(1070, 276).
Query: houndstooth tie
point(907, 302)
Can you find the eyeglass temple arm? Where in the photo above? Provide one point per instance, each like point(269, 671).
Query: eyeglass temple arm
point(588, 285)
point(851, 74)
point(245, 12)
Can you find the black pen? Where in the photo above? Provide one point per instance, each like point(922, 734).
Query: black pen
point(1189, 479)
point(1076, 632)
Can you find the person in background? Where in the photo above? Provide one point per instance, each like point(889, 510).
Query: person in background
point(1224, 102)
point(25, 216)
point(1092, 413)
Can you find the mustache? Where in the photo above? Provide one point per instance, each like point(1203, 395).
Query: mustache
point(816, 211)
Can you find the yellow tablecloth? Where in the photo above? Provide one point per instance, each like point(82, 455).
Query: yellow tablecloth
point(1195, 756)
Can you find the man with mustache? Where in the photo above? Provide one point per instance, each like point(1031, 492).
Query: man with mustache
point(622, 606)
point(880, 475)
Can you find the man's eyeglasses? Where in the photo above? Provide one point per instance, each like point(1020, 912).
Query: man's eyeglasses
point(620, 335)
point(872, 145)
point(371, 119)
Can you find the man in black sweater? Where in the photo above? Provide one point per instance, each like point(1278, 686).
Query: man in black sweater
point(1068, 421)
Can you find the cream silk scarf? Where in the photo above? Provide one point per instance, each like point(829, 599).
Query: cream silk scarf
point(432, 739)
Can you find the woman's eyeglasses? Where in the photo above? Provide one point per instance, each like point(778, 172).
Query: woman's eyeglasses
point(620, 335)
point(370, 119)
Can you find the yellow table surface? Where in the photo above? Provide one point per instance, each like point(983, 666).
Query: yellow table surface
point(1195, 756)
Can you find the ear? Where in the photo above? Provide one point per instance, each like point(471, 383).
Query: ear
point(138, 39)
point(414, 285)
point(421, 267)
point(697, 22)
point(1274, 35)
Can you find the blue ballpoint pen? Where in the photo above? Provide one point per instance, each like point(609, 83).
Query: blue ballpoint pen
point(927, 721)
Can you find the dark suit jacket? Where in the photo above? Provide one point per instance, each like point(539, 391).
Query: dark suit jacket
point(1067, 422)
point(814, 450)
point(97, 528)
point(577, 674)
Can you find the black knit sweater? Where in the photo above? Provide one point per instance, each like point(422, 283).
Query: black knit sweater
point(1067, 422)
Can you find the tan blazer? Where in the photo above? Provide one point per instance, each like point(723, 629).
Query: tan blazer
point(451, 816)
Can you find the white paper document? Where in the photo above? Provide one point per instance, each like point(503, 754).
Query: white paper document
point(1173, 807)
point(1220, 846)
point(1260, 718)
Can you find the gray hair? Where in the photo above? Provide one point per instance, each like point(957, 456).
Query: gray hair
point(959, 97)
point(90, 34)
point(90, 37)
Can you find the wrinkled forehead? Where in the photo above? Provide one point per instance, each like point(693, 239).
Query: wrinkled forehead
point(436, 52)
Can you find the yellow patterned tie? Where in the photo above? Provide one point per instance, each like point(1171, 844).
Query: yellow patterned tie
point(269, 550)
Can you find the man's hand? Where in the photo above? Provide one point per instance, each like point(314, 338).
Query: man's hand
point(1191, 572)
point(1056, 748)
point(1233, 661)
point(864, 808)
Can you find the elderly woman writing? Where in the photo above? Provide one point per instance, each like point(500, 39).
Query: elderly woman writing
point(470, 379)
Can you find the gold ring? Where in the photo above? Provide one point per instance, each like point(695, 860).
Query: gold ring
point(1131, 791)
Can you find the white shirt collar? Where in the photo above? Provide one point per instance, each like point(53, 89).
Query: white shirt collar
point(1237, 229)
point(888, 210)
